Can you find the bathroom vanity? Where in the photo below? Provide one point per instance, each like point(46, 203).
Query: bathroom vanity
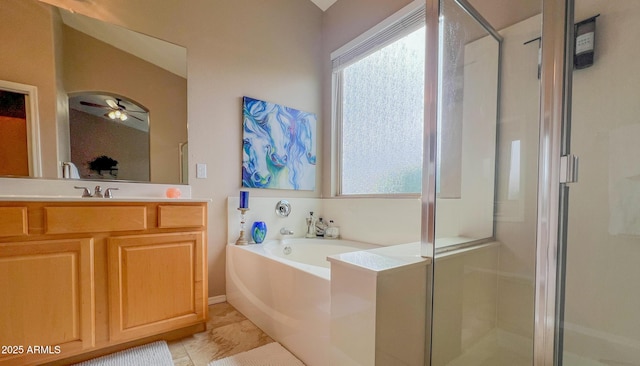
point(80, 278)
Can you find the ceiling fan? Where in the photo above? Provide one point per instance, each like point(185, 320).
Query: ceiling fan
point(116, 109)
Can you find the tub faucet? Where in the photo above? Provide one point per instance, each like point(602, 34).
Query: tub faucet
point(285, 231)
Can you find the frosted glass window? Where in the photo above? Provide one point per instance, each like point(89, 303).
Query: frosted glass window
point(382, 105)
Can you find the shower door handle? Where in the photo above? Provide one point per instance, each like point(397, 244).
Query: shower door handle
point(568, 169)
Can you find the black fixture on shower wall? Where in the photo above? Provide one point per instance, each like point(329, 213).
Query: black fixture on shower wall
point(584, 43)
point(585, 39)
point(539, 39)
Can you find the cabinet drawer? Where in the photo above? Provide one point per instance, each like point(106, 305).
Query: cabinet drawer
point(13, 221)
point(60, 220)
point(181, 216)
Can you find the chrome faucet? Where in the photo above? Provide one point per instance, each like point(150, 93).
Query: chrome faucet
point(85, 192)
point(97, 192)
point(108, 193)
point(285, 231)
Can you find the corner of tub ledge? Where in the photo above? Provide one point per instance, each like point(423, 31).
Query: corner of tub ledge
point(382, 259)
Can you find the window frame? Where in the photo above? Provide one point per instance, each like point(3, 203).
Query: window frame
point(400, 24)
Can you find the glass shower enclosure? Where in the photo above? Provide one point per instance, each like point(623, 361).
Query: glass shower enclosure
point(547, 274)
point(599, 246)
point(482, 142)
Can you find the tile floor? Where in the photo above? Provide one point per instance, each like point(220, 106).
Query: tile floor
point(228, 332)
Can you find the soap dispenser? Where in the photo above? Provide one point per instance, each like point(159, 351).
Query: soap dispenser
point(311, 226)
point(321, 227)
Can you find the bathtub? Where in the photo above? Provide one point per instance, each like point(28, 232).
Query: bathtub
point(284, 287)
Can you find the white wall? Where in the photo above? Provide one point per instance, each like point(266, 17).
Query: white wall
point(464, 306)
point(516, 210)
point(375, 221)
point(602, 297)
point(469, 216)
point(263, 209)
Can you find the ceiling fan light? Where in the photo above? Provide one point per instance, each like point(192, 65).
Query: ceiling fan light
point(112, 115)
point(123, 117)
point(118, 114)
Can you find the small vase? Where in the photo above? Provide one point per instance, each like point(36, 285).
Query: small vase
point(258, 231)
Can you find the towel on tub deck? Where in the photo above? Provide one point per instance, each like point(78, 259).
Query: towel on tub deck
point(624, 180)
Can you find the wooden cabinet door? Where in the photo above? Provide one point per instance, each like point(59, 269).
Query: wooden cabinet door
point(46, 298)
point(156, 283)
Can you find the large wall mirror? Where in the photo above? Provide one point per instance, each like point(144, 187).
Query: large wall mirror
point(103, 94)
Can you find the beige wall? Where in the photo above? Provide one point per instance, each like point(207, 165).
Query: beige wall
point(36, 68)
point(266, 50)
point(91, 65)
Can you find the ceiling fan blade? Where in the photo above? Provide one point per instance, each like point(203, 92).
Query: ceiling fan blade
point(112, 103)
point(128, 110)
point(139, 119)
point(89, 104)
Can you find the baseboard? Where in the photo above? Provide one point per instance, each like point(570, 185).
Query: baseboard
point(217, 299)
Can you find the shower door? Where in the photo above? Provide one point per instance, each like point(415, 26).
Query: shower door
point(482, 192)
point(598, 318)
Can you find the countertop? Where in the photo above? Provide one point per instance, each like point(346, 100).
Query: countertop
point(30, 198)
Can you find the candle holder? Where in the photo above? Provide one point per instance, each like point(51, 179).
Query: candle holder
point(242, 239)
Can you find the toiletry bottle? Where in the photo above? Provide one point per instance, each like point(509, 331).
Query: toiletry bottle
point(311, 226)
point(332, 232)
point(321, 227)
point(66, 170)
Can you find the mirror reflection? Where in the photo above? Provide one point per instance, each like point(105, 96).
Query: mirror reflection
point(91, 115)
point(14, 155)
point(84, 70)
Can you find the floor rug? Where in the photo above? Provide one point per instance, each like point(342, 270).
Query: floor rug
point(272, 354)
point(156, 354)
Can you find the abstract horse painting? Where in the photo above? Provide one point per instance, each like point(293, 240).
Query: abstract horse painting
point(279, 146)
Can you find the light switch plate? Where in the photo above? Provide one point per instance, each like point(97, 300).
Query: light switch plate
point(201, 170)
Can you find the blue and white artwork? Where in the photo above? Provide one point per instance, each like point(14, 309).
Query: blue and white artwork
point(279, 146)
